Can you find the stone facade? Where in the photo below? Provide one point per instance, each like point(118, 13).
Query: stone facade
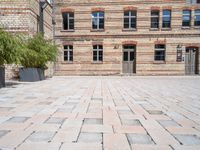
point(113, 37)
point(23, 16)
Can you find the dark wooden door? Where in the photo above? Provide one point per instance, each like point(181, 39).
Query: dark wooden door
point(190, 61)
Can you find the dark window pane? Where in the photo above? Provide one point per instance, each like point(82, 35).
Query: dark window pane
point(95, 53)
point(160, 52)
point(129, 47)
point(166, 19)
point(94, 23)
point(160, 46)
point(126, 13)
point(133, 22)
point(126, 22)
point(68, 20)
point(132, 56)
point(100, 46)
point(94, 14)
point(186, 18)
point(197, 18)
point(71, 15)
point(65, 20)
point(100, 55)
point(154, 13)
point(133, 13)
point(125, 56)
point(94, 46)
point(101, 14)
point(154, 19)
point(101, 23)
point(70, 47)
point(65, 46)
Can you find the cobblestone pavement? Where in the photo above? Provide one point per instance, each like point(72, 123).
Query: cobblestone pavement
point(102, 113)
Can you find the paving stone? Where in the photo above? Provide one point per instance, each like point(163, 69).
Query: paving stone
point(45, 103)
point(131, 122)
point(54, 120)
point(188, 139)
point(81, 146)
point(3, 133)
point(90, 137)
point(41, 136)
point(168, 123)
point(39, 146)
point(96, 98)
point(155, 112)
point(17, 120)
point(108, 109)
point(93, 121)
point(125, 112)
point(115, 142)
point(6, 108)
point(139, 139)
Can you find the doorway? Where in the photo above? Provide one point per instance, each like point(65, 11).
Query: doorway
point(129, 59)
point(191, 61)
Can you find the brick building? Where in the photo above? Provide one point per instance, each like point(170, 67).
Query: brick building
point(145, 37)
point(27, 17)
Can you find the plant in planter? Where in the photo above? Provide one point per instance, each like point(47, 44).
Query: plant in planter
point(9, 53)
point(37, 52)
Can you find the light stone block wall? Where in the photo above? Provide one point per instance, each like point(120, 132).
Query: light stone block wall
point(114, 36)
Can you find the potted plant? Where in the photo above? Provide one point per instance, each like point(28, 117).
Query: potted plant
point(37, 52)
point(9, 53)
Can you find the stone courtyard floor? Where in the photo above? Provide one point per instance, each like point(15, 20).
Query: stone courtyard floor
point(102, 113)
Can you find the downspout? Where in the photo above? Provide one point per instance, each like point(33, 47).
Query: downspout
point(43, 4)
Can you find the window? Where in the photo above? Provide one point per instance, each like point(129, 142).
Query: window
point(166, 19)
point(97, 53)
point(197, 18)
point(193, 1)
point(130, 19)
point(129, 53)
point(68, 53)
point(68, 20)
point(186, 21)
point(159, 52)
point(155, 19)
point(98, 20)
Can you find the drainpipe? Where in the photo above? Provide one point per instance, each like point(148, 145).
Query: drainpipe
point(43, 4)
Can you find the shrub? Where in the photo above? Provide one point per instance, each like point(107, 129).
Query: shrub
point(37, 51)
point(9, 48)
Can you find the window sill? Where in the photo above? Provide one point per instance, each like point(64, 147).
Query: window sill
point(67, 62)
point(185, 28)
point(97, 62)
point(128, 30)
point(166, 29)
point(154, 29)
point(67, 31)
point(196, 27)
point(97, 30)
point(159, 62)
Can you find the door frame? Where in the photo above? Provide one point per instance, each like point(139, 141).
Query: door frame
point(196, 58)
point(134, 62)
